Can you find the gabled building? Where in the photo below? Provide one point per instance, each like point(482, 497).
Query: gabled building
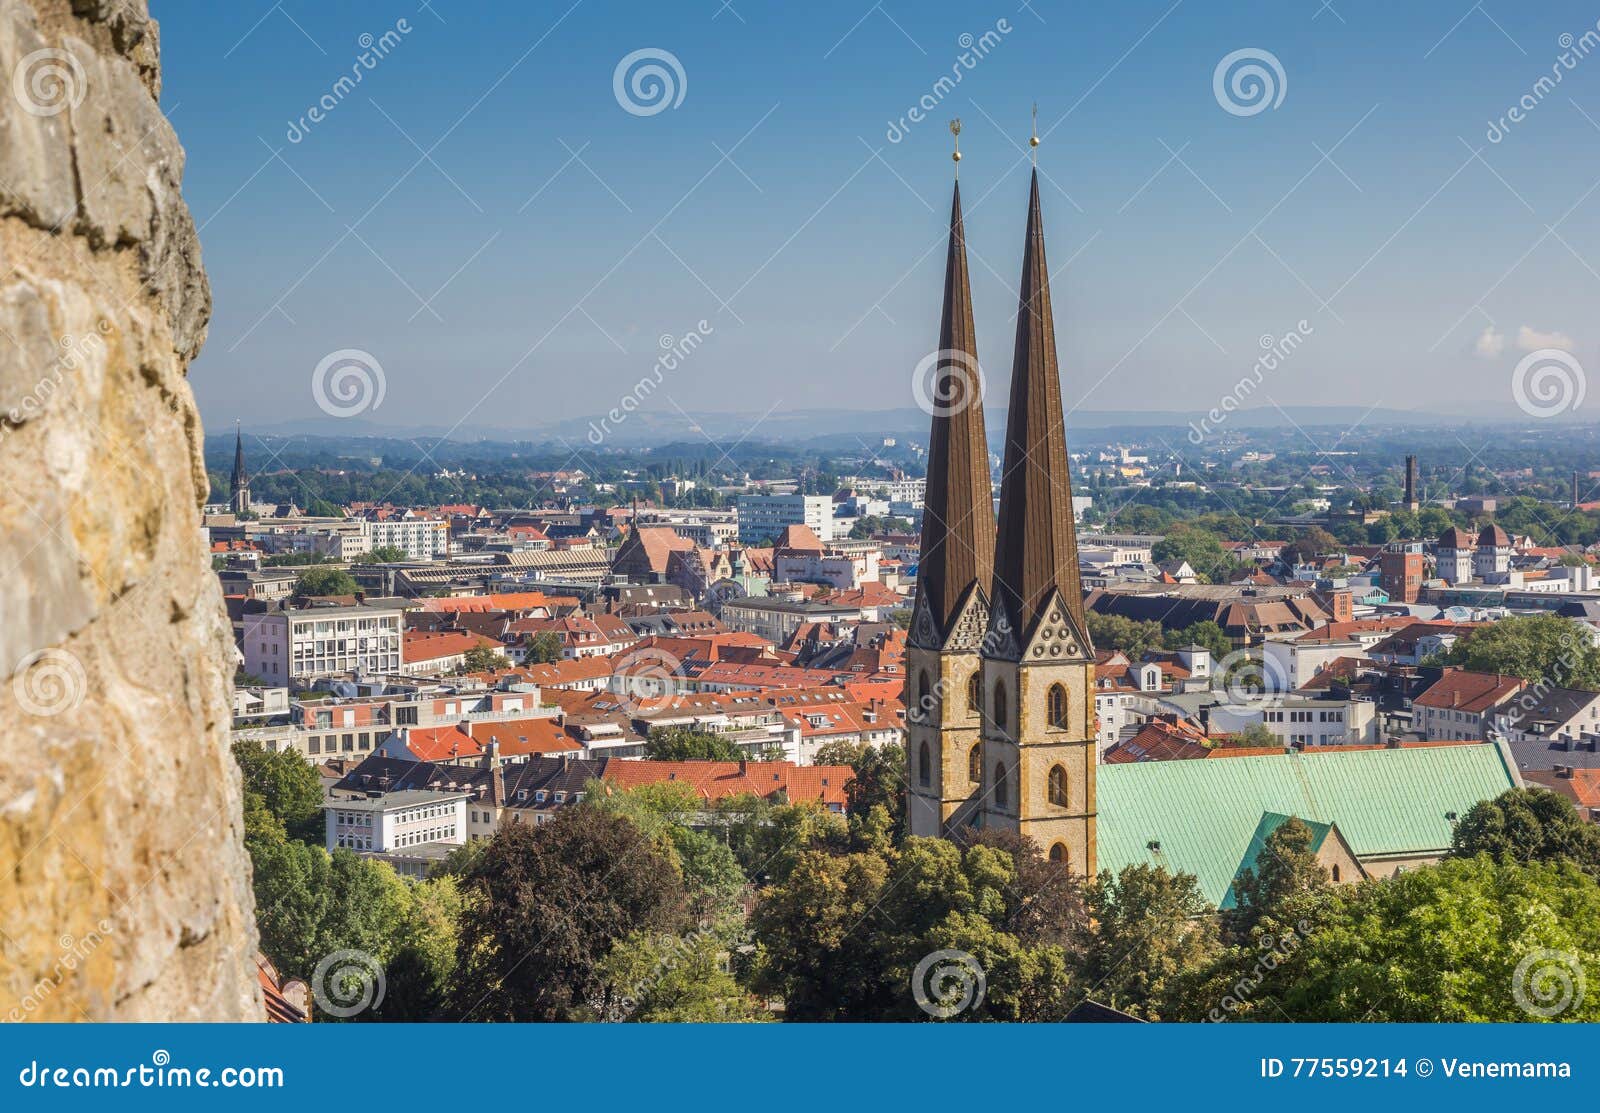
point(1460, 703)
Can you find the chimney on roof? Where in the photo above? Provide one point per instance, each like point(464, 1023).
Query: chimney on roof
point(744, 766)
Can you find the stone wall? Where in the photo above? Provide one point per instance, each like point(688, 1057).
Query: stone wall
point(124, 886)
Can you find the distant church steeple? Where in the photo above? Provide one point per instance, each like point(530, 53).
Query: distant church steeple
point(944, 696)
point(1040, 732)
point(1037, 554)
point(239, 484)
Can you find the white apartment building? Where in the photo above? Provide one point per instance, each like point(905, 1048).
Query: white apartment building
point(1303, 722)
point(838, 569)
point(284, 646)
point(913, 492)
point(418, 538)
point(408, 829)
point(765, 516)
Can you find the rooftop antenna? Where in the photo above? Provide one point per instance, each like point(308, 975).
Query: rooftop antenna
point(1033, 140)
point(955, 130)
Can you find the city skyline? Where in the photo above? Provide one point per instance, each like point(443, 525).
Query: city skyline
point(1363, 204)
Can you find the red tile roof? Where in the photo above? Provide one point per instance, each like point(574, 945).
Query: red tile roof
point(718, 780)
point(1473, 692)
point(421, 645)
point(513, 601)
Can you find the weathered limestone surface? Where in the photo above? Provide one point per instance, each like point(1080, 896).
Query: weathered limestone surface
point(124, 886)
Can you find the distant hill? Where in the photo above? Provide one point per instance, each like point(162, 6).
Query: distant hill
point(824, 427)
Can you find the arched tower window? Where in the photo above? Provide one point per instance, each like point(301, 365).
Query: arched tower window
point(1058, 786)
point(998, 712)
point(975, 694)
point(924, 765)
point(1057, 702)
point(1336, 873)
point(924, 694)
point(975, 763)
point(1058, 853)
point(1002, 791)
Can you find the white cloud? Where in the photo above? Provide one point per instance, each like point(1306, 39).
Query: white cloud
point(1531, 340)
point(1490, 343)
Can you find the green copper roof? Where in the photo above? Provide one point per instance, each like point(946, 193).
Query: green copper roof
point(1201, 816)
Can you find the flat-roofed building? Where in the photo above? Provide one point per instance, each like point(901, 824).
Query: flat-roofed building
point(284, 646)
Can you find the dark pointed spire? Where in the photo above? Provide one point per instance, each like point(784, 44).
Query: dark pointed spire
point(240, 478)
point(1037, 549)
point(958, 512)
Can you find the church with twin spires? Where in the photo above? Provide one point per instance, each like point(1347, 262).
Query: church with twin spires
point(1000, 670)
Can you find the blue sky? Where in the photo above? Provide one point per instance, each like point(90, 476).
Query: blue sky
point(524, 269)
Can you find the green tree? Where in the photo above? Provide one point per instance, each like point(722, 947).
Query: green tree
point(1256, 734)
point(290, 880)
point(482, 658)
point(287, 787)
point(383, 554)
point(1206, 634)
point(548, 904)
point(419, 973)
point(878, 779)
point(666, 812)
point(1466, 940)
point(317, 580)
point(1200, 548)
point(1112, 631)
point(1535, 647)
point(1152, 929)
point(687, 978)
point(684, 744)
point(544, 648)
point(844, 935)
point(1285, 870)
point(1528, 825)
point(767, 838)
point(1312, 542)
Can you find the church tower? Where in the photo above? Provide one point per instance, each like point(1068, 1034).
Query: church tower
point(239, 484)
point(1038, 663)
point(943, 682)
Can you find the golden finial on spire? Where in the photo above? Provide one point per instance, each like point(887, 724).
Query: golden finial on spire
point(1033, 140)
point(955, 130)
